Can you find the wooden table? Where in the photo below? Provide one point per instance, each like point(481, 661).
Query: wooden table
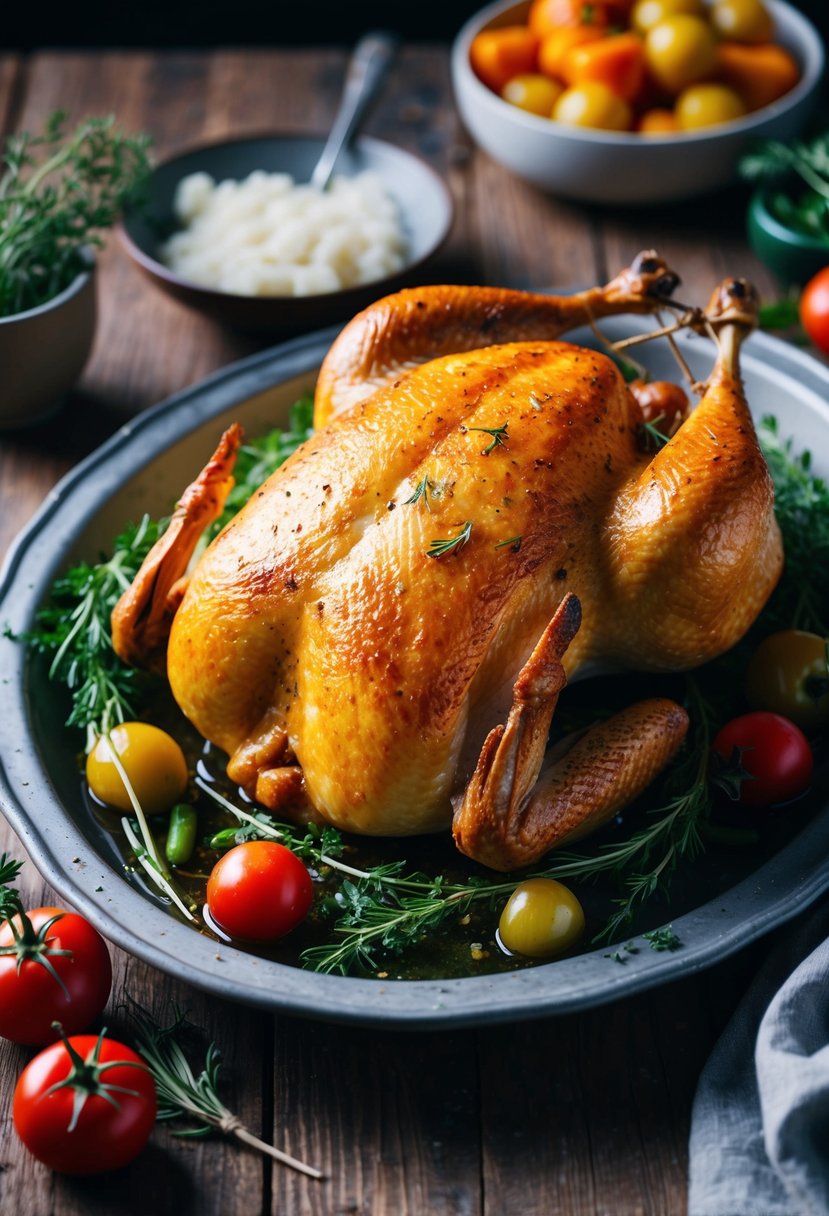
point(583, 1114)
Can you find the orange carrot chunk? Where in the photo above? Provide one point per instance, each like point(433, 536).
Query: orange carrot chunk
point(618, 62)
point(498, 55)
point(760, 74)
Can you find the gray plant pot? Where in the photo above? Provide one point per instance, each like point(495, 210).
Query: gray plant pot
point(43, 352)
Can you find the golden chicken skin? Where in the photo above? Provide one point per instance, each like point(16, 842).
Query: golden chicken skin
point(379, 638)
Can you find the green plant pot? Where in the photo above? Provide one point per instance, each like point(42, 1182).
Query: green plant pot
point(791, 255)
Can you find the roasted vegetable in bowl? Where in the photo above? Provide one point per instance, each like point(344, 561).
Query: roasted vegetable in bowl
point(657, 66)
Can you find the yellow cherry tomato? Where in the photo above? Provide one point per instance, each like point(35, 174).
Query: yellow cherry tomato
point(704, 105)
point(680, 51)
point(541, 918)
point(788, 674)
point(532, 92)
point(593, 104)
point(648, 13)
point(658, 122)
point(742, 20)
point(153, 761)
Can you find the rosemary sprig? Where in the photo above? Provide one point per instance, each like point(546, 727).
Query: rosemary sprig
point(498, 435)
point(183, 1094)
point(653, 438)
point(438, 548)
point(513, 541)
point(421, 492)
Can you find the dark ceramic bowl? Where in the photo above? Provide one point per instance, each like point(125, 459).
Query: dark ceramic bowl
point(716, 907)
point(424, 202)
point(792, 256)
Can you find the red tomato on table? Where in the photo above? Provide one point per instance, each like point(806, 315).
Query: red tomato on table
point(61, 1112)
point(55, 969)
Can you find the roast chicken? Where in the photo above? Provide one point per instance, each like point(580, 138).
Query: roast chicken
point(378, 640)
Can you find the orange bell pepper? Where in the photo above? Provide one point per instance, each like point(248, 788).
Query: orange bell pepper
point(498, 55)
point(548, 15)
point(554, 48)
point(759, 73)
point(618, 62)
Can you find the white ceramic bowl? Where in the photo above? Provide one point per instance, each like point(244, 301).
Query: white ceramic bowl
point(612, 167)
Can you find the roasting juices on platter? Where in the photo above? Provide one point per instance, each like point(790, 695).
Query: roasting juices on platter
point(379, 638)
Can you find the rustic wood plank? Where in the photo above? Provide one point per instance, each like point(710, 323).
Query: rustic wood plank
point(391, 1118)
point(595, 1108)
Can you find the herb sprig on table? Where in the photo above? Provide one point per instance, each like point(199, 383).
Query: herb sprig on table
point(58, 191)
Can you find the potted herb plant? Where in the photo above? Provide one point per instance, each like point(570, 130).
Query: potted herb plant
point(788, 213)
point(58, 192)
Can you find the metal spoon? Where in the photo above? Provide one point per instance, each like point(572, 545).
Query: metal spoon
point(366, 72)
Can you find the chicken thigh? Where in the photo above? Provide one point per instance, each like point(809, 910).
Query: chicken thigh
point(379, 638)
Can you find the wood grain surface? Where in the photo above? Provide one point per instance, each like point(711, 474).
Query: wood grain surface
point(583, 1114)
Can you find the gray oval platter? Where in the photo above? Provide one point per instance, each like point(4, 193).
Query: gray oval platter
point(143, 468)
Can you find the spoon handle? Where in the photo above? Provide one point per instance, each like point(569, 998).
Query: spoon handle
point(367, 69)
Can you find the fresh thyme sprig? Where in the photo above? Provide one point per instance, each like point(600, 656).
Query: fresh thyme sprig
point(498, 436)
point(57, 193)
point(438, 548)
point(183, 1094)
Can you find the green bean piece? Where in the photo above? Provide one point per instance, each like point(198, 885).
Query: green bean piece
point(181, 834)
point(225, 839)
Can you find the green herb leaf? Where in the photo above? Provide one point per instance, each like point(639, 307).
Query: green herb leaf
point(57, 193)
point(498, 435)
point(437, 548)
point(662, 939)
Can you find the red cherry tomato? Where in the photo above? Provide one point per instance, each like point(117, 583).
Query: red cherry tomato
point(259, 891)
point(773, 752)
point(55, 968)
point(106, 1132)
point(814, 309)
